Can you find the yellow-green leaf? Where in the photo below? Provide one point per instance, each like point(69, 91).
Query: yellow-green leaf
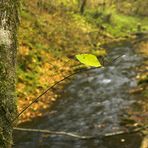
point(88, 60)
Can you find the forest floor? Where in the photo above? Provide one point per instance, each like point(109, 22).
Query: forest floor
point(48, 43)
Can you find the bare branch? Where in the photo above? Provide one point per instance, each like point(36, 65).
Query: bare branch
point(55, 133)
point(62, 133)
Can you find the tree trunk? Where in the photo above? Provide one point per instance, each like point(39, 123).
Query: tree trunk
point(8, 45)
point(82, 6)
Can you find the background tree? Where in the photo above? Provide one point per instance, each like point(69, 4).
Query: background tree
point(8, 45)
point(82, 6)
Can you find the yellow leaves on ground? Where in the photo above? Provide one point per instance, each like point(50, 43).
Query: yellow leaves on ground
point(23, 50)
point(50, 71)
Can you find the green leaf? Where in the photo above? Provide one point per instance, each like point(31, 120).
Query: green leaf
point(88, 60)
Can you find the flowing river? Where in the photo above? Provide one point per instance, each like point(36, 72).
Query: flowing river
point(92, 104)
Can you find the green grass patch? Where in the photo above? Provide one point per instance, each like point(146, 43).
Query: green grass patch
point(115, 23)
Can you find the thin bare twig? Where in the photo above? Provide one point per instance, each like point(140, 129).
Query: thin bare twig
point(50, 87)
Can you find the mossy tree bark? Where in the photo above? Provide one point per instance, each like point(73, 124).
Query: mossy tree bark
point(8, 45)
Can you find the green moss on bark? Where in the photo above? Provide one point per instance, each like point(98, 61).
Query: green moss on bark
point(8, 42)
